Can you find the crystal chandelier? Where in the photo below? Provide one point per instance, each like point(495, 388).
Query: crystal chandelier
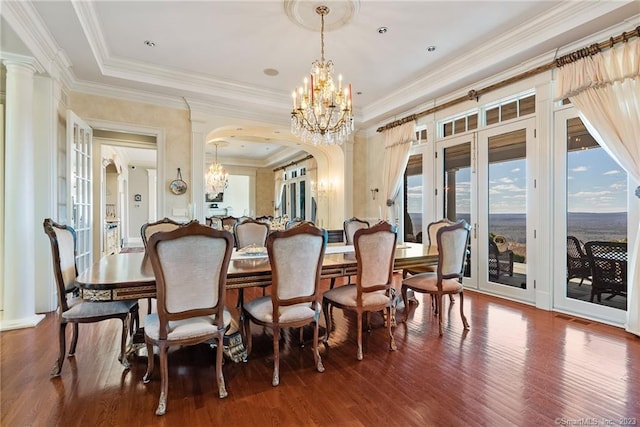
point(216, 178)
point(321, 111)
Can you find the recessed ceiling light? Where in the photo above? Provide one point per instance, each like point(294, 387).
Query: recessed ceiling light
point(149, 43)
point(238, 128)
point(431, 48)
point(276, 131)
point(271, 72)
point(382, 30)
point(359, 92)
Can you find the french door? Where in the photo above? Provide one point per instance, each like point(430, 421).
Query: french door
point(591, 202)
point(456, 189)
point(487, 178)
point(80, 187)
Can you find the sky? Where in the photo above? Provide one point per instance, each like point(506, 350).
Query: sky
point(595, 183)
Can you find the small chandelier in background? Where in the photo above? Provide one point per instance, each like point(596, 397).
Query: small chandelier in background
point(321, 111)
point(216, 179)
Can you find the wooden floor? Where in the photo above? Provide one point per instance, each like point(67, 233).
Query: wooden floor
point(516, 366)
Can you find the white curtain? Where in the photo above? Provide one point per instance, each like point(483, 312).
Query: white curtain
point(397, 143)
point(277, 191)
point(605, 88)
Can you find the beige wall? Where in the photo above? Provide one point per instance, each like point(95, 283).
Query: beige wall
point(176, 126)
point(265, 184)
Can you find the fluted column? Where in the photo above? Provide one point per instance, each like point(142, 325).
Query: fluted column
point(19, 220)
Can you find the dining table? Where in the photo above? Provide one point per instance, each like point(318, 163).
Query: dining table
point(127, 276)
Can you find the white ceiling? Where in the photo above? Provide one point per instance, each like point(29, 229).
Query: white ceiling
point(213, 54)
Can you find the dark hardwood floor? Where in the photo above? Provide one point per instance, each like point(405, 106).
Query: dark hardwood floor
point(516, 366)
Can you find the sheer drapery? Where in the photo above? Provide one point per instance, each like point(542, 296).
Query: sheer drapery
point(397, 144)
point(277, 191)
point(605, 88)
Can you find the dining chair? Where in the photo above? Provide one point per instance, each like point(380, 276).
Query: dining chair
point(294, 222)
point(228, 222)
point(247, 233)
point(349, 227)
point(148, 229)
point(432, 231)
point(71, 308)
point(447, 279)
point(251, 232)
point(577, 261)
point(190, 266)
point(352, 225)
point(296, 258)
point(214, 222)
point(608, 261)
point(375, 249)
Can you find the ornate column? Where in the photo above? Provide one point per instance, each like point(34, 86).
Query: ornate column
point(19, 220)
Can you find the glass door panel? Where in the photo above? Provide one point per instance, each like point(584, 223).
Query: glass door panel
point(414, 199)
point(456, 184)
point(503, 228)
point(595, 201)
point(457, 189)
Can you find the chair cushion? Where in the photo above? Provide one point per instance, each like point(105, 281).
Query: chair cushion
point(262, 309)
point(428, 282)
point(346, 296)
point(80, 309)
point(182, 329)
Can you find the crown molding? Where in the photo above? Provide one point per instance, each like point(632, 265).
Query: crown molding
point(25, 21)
point(565, 16)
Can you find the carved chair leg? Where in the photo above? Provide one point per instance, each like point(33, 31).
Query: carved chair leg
point(74, 339)
point(123, 342)
point(150, 362)
point(359, 354)
point(164, 380)
point(405, 300)
point(316, 352)
point(57, 367)
point(240, 301)
point(439, 305)
point(392, 341)
point(276, 356)
point(465, 323)
point(327, 321)
point(222, 390)
point(246, 329)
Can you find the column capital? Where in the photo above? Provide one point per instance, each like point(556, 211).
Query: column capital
point(20, 61)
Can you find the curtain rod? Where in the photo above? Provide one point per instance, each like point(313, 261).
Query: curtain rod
point(563, 60)
point(293, 163)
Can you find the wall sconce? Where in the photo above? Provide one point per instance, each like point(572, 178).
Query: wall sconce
point(322, 189)
point(374, 191)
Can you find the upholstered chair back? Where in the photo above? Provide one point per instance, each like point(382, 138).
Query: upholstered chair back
point(432, 230)
point(190, 265)
point(452, 246)
point(251, 232)
point(375, 250)
point(296, 260)
point(150, 228)
point(63, 249)
point(351, 226)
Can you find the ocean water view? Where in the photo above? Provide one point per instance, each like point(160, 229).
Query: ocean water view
point(585, 226)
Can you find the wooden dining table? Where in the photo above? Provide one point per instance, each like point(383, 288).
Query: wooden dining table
point(127, 276)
